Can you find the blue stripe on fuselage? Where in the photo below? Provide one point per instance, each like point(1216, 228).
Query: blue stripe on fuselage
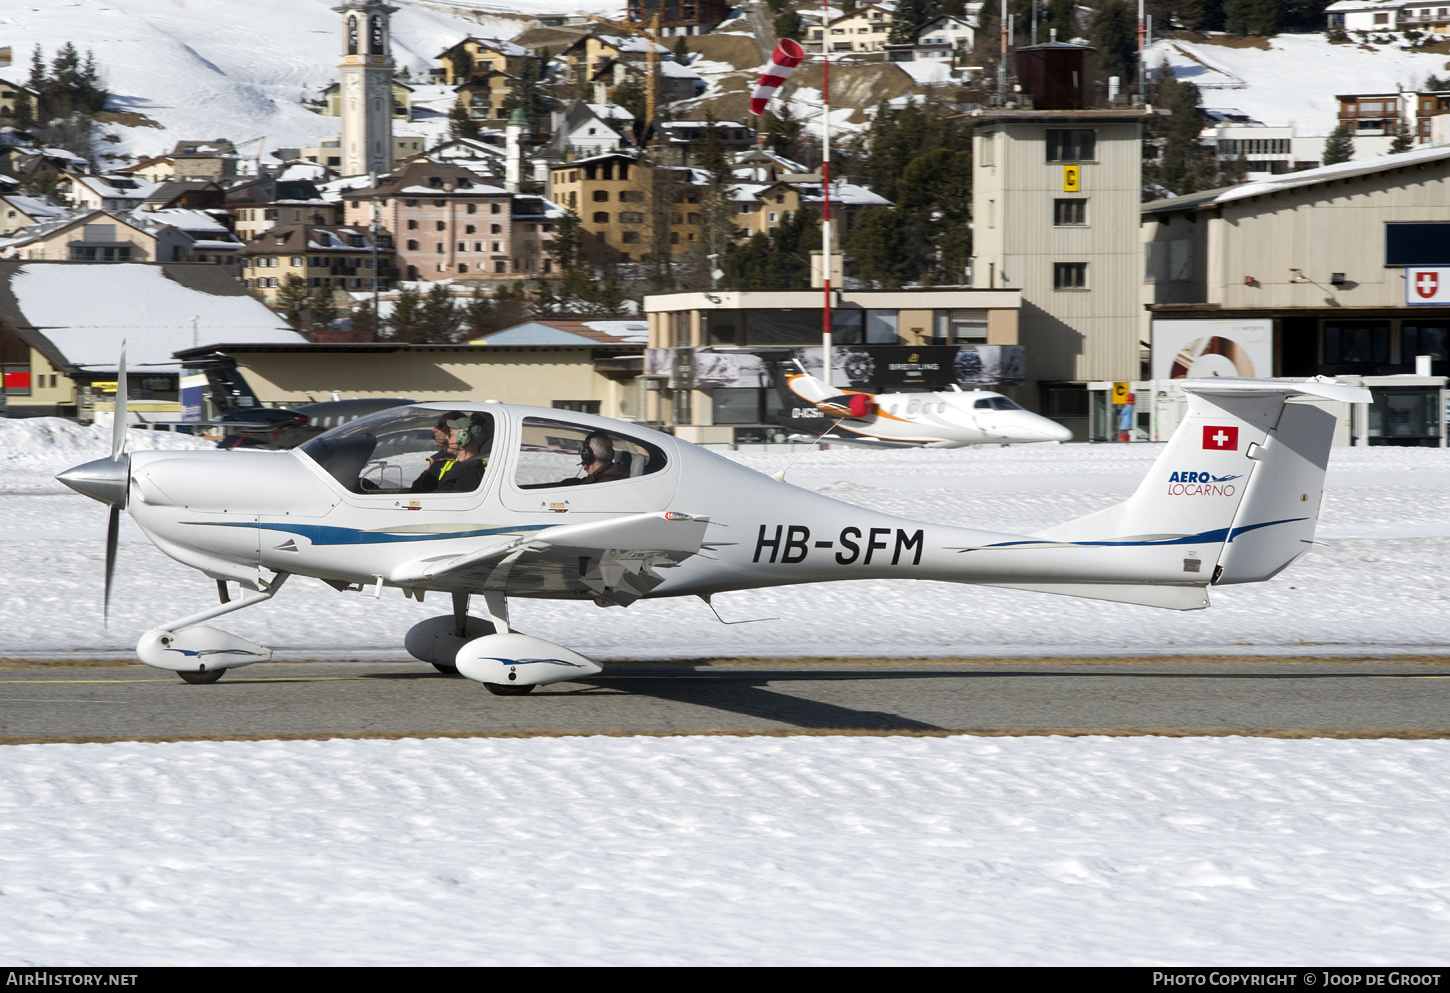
point(1218, 534)
point(324, 534)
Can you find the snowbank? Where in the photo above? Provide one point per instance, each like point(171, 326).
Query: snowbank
point(715, 851)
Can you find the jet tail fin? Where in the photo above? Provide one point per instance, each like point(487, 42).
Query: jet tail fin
point(1242, 479)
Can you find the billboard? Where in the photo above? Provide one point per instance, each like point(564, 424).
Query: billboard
point(1202, 349)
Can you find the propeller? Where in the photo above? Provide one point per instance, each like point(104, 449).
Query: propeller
point(118, 456)
point(108, 480)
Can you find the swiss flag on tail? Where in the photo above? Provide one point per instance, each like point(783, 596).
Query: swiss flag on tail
point(1220, 439)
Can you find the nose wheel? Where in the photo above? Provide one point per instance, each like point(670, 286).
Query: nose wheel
point(506, 689)
point(201, 678)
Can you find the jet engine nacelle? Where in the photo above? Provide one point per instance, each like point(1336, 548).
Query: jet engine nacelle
point(437, 641)
point(521, 660)
point(198, 649)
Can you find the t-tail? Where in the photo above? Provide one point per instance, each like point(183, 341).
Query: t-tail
point(1234, 498)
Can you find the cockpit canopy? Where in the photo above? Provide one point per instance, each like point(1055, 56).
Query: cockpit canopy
point(389, 451)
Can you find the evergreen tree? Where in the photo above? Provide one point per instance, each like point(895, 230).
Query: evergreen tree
point(478, 317)
point(630, 94)
point(784, 129)
point(322, 315)
point(1114, 32)
point(1403, 140)
point(1436, 84)
point(364, 322)
point(24, 111)
point(573, 291)
point(405, 323)
point(46, 185)
point(1175, 160)
point(525, 92)
point(1062, 15)
point(439, 319)
point(682, 51)
point(879, 246)
point(462, 65)
point(292, 299)
point(460, 125)
point(1339, 146)
point(787, 25)
point(1256, 17)
point(910, 17)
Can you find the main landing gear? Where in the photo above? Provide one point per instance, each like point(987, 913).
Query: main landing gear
point(505, 662)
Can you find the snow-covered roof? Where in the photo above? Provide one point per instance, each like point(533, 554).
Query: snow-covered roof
point(609, 112)
point(626, 43)
point(304, 170)
point(1341, 5)
point(36, 207)
point(670, 125)
point(476, 190)
point(1295, 180)
point(497, 44)
point(86, 312)
point(569, 332)
point(676, 71)
point(132, 189)
point(184, 219)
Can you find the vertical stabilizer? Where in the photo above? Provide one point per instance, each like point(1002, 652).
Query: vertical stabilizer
point(1241, 480)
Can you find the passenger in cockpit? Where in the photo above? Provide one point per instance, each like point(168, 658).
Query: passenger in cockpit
point(596, 458)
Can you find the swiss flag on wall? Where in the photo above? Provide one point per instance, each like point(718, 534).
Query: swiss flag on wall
point(1220, 439)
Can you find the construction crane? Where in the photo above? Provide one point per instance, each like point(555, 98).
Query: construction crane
point(652, 60)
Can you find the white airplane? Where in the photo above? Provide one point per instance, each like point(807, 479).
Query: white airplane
point(1234, 498)
point(934, 420)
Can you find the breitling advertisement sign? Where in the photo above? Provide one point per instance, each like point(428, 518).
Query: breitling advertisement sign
point(883, 368)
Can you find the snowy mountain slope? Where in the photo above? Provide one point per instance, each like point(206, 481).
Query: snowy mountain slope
point(220, 68)
point(1294, 81)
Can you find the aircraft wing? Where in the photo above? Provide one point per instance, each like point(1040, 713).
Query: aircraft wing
point(616, 559)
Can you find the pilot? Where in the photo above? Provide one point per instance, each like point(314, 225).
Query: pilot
point(596, 458)
point(458, 467)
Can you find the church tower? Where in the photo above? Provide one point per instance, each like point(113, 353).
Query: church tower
point(367, 87)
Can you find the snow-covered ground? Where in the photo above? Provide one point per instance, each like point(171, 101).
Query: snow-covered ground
point(1376, 586)
point(731, 850)
point(659, 851)
point(1294, 81)
point(206, 69)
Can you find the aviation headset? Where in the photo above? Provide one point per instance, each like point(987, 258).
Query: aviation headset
point(596, 447)
point(472, 428)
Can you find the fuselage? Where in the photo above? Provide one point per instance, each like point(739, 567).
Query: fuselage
point(313, 512)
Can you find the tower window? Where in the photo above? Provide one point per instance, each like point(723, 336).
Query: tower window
point(1075, 145)
point(1069, 275)
point(375, 36)
point(1066, 212)
point(352, 36)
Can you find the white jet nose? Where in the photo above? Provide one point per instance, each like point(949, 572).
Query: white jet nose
point(1030, 427)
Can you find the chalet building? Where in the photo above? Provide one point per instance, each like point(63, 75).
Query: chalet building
point(447, 221)
point(595, 51)
point(1372, 118)
point(12, 92)
point(629, 208)
point(589, 129)
point(94, 236)
point(214, 159)
point(266, 202)
point(676, 82)
point(472, 56)
point(334, 257)
point(484, 96)
point(20, 212)
point(154, 169)
point(680, 17)
point(115, 194)
point(865, 29)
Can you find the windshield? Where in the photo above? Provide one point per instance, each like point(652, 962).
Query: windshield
point(996, 403)
point(407, 450)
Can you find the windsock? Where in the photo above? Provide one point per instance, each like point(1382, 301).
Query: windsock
point(788, 54)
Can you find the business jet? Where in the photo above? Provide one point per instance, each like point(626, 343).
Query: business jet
point(1233, 498)
point(952, 419)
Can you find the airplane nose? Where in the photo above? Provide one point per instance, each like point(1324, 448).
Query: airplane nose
point(104, 480)
point(1055, 431)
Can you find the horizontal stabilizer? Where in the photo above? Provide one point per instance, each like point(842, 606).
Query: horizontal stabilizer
point(1169, 597)
point(1327, 389)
